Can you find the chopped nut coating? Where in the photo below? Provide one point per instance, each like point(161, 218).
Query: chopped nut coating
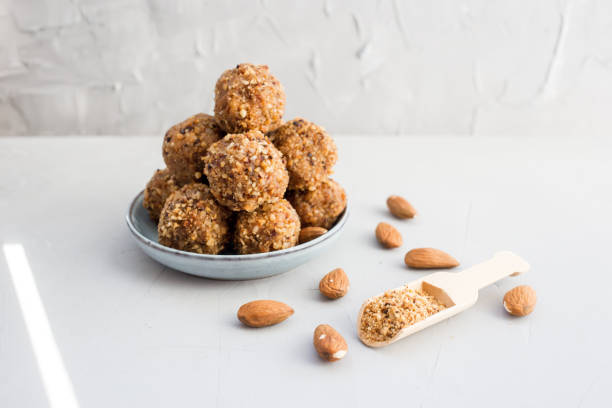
point(310, 152)
point(158, 189)
point(320, 207)
point(191, 220)
point(247, 98)
point(245, 170)
point(271, 227)
point(186, 143)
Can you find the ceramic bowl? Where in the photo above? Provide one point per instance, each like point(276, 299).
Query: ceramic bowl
point(226, 267)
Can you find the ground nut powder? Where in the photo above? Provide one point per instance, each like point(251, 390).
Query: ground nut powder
point(387, 314)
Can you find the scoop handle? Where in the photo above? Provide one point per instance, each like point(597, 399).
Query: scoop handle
point(502, 264)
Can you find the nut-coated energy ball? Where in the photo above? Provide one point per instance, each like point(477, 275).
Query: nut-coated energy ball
point(247, 98)
point(158, 189)
point(245, 170)
point(271, 227)
point(320, 207)
point(186, 143)
point(192, 221)
point(310, 152)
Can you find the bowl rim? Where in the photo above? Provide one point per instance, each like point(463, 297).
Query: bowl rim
point(340, 222)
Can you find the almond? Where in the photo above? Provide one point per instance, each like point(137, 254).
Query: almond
point(330, 345)
point(388, 236)
point(335, 284)
point(520, 301)
point(429, 258)
point(400, 207)
point(310, 233)
point(261, 313)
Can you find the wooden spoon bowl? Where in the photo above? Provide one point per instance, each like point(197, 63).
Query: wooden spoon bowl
point(455, 290)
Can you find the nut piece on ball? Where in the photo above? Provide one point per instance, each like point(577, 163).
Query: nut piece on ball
point(185, 143)
point(245, 170)
point(158, 189)
point(320, 207)
point(271, 227)
point(192, 221)
point(310, 152)
point(248, 97)
point(520, 301)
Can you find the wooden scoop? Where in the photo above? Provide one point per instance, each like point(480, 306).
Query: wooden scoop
point(455, 290)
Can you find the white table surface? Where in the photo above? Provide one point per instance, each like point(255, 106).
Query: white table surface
point(132, 333)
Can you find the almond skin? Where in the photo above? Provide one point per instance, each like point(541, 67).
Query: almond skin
point(261, 313)
point(330, 344)
point(310, 233)
point(388, 236)
point(400, 208)
point(520, 301)
point(335, 284)
point(429, 258)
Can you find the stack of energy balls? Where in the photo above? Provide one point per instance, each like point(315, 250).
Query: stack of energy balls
point(242, 179)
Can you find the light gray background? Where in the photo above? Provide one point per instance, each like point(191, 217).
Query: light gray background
point(476, 67)
point(134, 334)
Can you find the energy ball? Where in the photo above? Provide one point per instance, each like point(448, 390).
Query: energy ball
point(185, 143)
point(247, 98)
point(320, 207)
point(158, 189)
point(192, 221)
point(245, 170)
point(269, 228)
point(310, 152)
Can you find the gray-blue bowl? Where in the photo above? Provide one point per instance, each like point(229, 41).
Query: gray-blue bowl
point(226, 267)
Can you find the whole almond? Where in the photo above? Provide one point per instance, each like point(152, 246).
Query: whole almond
point(310, 233)
point(335, 284)
point(400, 207)
point(261, 313)
point(330, 344)
point(520, 301)
point(429, 258)
point(388, 236)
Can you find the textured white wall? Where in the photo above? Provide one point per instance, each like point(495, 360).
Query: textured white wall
point(519, 67)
